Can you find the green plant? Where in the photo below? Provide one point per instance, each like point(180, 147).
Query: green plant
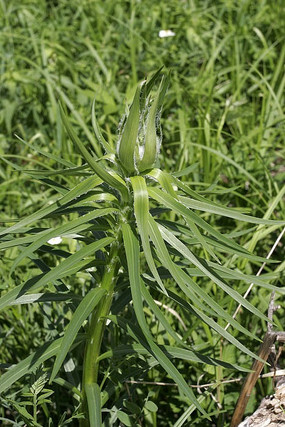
point(138, 235)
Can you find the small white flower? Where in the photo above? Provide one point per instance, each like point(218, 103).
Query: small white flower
point(55, 240)
point(166, 33)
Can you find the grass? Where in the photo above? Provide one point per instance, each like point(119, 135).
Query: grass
point(223, 119)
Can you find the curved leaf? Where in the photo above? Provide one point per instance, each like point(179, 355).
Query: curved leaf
point(179, 208)
point(86, 306)
point(141, 208)
point(98, 132)
point(111, 179)
point(151, 140)
point(227, 212)
point(59, 231)
point(30, 363)
point(77, 191)
point(132, 254)
point(202, 265)
point(71, 263)
point(128, 140)
point(166, 260)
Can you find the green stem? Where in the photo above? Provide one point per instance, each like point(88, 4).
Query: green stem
point(97, 327)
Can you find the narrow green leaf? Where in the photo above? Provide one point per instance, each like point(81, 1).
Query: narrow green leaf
point(185, 233)
point(223, 211)
point(21, 410)
point(168, 181)
point(236, 275)
point(45, 297)
point(77, 191)
point(111, 179)
point(159, 315)
point(63, 383)
point(186, 171)
point(7, 243)
point(85, 308)
point(93, 395)
point(166, 260)
point(74, 171)
point(179, 208)
point(59, 231)
point(132, 254)
point(185, 252)
point(174, 352)
point(128, 140)
point(229, 160)
point(72, 263)
point(186, 414)
point(151, 141)
point(141, 207)
point(107, 147)
point(30, 363)
point(164, 179)
point(47, 154)
point(201, 239)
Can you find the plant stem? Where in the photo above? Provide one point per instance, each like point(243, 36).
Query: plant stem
point(97, 327)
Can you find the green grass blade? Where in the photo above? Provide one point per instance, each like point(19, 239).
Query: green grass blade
point(229, 160)
point(186, 414)
point(7, 243)
point(236, 275)
point(47, 154)
point(185, 233)
point(174, 352)
point(72, 171)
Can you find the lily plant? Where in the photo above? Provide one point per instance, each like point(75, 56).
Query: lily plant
point(137, 229)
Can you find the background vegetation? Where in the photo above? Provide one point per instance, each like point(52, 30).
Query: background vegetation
point(223, 119)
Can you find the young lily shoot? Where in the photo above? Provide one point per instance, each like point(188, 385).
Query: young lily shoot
point(122, 247)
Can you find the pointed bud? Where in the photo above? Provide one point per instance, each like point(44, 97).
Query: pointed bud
point(139, 144)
